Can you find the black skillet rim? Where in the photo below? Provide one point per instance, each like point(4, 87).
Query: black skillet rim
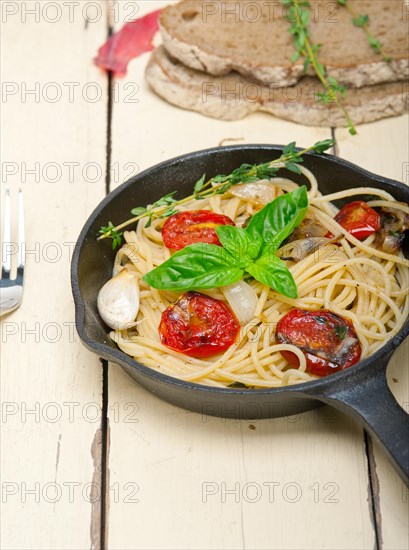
point(116, 355)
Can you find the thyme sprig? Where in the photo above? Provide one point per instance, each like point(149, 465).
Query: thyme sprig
point(362, 20)
point(218, 185)
point(299, 16)
point(112, 232)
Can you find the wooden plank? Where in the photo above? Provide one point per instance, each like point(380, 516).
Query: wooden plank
point(382, 148)
point(297, 482)
point(53, 124)
point(233, 484)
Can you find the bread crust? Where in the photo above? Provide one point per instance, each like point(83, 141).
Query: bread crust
point(345, 50)
point(232, 96)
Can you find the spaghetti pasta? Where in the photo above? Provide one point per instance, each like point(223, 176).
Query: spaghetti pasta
point(351, 278)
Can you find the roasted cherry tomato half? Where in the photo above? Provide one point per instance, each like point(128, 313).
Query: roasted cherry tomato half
point(198, 325)
point(194, 226)
point(329, 341)
point(359, 219)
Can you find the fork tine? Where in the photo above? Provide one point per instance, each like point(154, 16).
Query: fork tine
point(21, 238)
point(6, 252)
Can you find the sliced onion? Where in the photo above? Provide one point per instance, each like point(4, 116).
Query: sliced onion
point(242, 299)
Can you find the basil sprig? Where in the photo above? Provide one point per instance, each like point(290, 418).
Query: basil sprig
point(251, 250)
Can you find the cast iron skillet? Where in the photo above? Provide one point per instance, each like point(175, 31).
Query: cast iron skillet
point(360, 391)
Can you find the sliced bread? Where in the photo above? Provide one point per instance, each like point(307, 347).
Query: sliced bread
point(232, 96)
point(252, 37)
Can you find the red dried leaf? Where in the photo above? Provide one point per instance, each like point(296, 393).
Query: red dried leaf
point(134, 39)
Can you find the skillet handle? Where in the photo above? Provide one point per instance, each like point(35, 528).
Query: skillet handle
point(368, 400)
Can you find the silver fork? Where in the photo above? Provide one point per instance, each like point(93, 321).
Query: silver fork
point(11, 290)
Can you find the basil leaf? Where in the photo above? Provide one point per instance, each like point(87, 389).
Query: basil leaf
point(205, 266)
point(278, 219)
point(238, 243)
point(274, 273)
point(199, 265)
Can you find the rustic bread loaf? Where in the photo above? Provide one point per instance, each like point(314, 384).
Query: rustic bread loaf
point(232, 96)
point(252, 37)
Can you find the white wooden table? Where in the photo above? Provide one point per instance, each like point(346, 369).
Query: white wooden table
point(90, 459)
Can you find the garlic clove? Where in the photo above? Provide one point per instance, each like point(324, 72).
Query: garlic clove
point(118, 300)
